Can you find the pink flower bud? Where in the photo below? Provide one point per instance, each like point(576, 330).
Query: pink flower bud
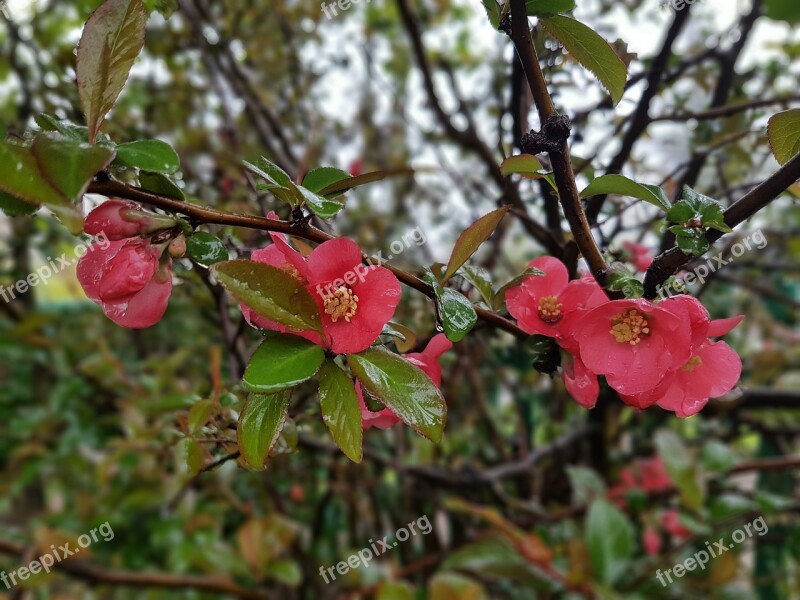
point(177, 247)
point(120, 219)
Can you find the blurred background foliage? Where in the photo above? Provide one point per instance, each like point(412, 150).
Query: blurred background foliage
point(103, 424)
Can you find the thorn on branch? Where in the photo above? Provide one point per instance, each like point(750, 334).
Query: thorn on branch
point(550, 139)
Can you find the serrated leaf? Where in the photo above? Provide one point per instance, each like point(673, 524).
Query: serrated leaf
point(282, 361)
point(623, 186)
point(609, 537)
point(480, 279)
point(259, 425)
point(591, 51)
point(321, 206)
point(153, 156)
point(548, 8)
point(274, 180)
point(492, 12)
point(270, 292)
point(404, 388)
point(341, 412)
point(784, 134)
point(111, 40)
point(15, 207)
point(456, 311)
point(471, 239)
point(206, 248)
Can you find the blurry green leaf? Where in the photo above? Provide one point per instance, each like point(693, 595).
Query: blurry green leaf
point(193, 454)
point(404, 388)
point(282, 361)
point(165, 7)
point(681, 466)
point(454, 586)
point(586, 484)
point(259, 425)
point(783, 10)
point(352, 182)
point(161, 185)
point(395, 590)
point(153, 156)
point(13, 206)
point(548, 8)
point(784, 135)
point(622, 186)
point(285, 571)
point(591, 51)
point(729, 505)
point(206, 248)
point(199, 415)
point(112, 39)
point(456, 311)
point(717, 457)
point(270, 292)
point(609, 537)
point(495, 559)
point(340, 409)
point(471, 239)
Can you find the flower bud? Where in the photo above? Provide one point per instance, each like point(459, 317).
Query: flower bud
point(177, 247)
point(120, 219)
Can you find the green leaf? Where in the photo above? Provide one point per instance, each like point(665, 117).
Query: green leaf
point(681, 466)
point(456, 311)
point(523, 164)
point(493, 12)
point(259, 425)
point(285, 571)
point(610, 539)
point(74, 132)
point(591, 51)
point(622, 186)
point(548, 8)
point(111, 41)
point(681, 213)
point(690, 240)
point(275, 180)
point(480, 279)
point(713, 217)
point(206, 248)
point(353, 182)
point(161, 185)
point(270, 292)
point(451, 586)
point(199, 415)
point(153, 156)
point(395, 590)
point(165, 7)
point(784, 133)
point(717, 457)
point(54, 170)
point(319, 205)
point(620, 279)
point(471, 239)
point(404, 388)
point(282, 361)
point(782, 10)
point(14, 207)
point(340, 409)
point(317, 179)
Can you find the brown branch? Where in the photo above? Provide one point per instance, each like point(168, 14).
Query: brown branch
point(559, 155)
point(201, 214)
point(668, 262)
point(95, 574)
point(726, 111)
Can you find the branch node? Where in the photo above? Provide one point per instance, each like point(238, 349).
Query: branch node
point(555, 132)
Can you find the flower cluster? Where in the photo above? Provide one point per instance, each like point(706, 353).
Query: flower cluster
point(357, 302)
point(650, 353)
point(130, 277)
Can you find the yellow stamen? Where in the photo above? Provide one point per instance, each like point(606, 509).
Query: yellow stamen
point(693, 363)
point(629, 326)
point(342, 303)
point(549, 309)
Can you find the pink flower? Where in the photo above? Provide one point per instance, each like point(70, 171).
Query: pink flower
point(645, 474)
point(550, 305)
point(651, 540)
point(428, 361)
point(670, 521)
point(711, 370)
point(634, 343)
point(639, 255)
point(581, 383)
point(119, 219)
point(127, 280)
point(355, 300)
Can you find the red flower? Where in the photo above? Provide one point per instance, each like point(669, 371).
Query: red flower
point(550, 305)
point(639, 255)
point(634, 343)
point(355, 300)
point(127, 280)
point(428, 361)
point(119, 219)
point(670, 521)
point(581, 383)
point(651, 540)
